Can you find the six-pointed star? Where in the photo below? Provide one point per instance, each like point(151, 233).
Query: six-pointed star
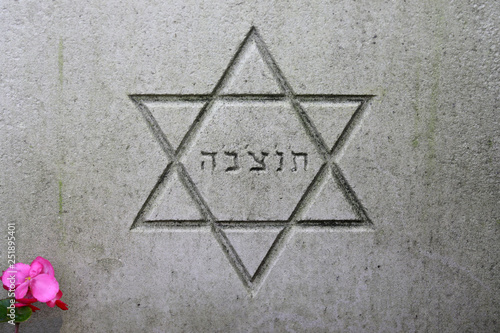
point(252, 161)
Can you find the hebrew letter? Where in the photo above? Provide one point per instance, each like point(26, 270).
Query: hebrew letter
point(259, 161)
point(236, 164)
point(295, 157)
point(280, 154)
point(212, 155)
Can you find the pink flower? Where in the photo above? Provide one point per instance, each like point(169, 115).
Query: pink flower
point(56, 301)
point(37, 279)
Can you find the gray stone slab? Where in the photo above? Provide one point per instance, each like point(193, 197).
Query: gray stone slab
point(255, 166)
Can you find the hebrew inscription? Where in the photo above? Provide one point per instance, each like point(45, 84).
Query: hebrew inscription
point(211, 156)
point(254, 155)
point(236, 165)
point(260, 161)
point(231, 161)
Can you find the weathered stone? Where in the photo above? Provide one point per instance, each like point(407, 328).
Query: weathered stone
point(255, 166)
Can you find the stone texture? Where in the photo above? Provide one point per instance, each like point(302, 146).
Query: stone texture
point(79, 161)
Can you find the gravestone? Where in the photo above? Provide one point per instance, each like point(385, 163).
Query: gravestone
point(255, 166)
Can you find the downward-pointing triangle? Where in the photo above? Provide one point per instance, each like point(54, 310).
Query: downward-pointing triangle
point(330, 118)
point(329, 203)
point(249, 73)
point(251, 245)
point(174, 203)
point(174, 118)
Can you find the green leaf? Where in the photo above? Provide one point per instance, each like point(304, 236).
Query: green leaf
point(21, 314)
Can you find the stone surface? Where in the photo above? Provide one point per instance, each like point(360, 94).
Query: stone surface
point(392, 227)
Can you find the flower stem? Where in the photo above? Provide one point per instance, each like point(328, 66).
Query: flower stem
point(17, 327)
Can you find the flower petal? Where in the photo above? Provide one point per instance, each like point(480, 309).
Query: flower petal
point(21, 290)
point(62, 305)
point(35, 269)
point(28, 295)
point(44, 287)
point(26, 300)
point(20, 271)
point(41, 266)
point(52, 302)
point(20, 305)
point(33, 308)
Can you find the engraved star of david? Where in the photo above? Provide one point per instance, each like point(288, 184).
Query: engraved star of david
point(252, 161)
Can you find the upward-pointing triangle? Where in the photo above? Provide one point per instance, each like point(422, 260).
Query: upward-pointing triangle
point(174, 117)
point(249, 73)
point(251, 245)
point(173, 202)
point(330, 118)
point(329, 203)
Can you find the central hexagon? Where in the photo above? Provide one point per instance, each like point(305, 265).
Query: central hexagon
point(252, 160)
